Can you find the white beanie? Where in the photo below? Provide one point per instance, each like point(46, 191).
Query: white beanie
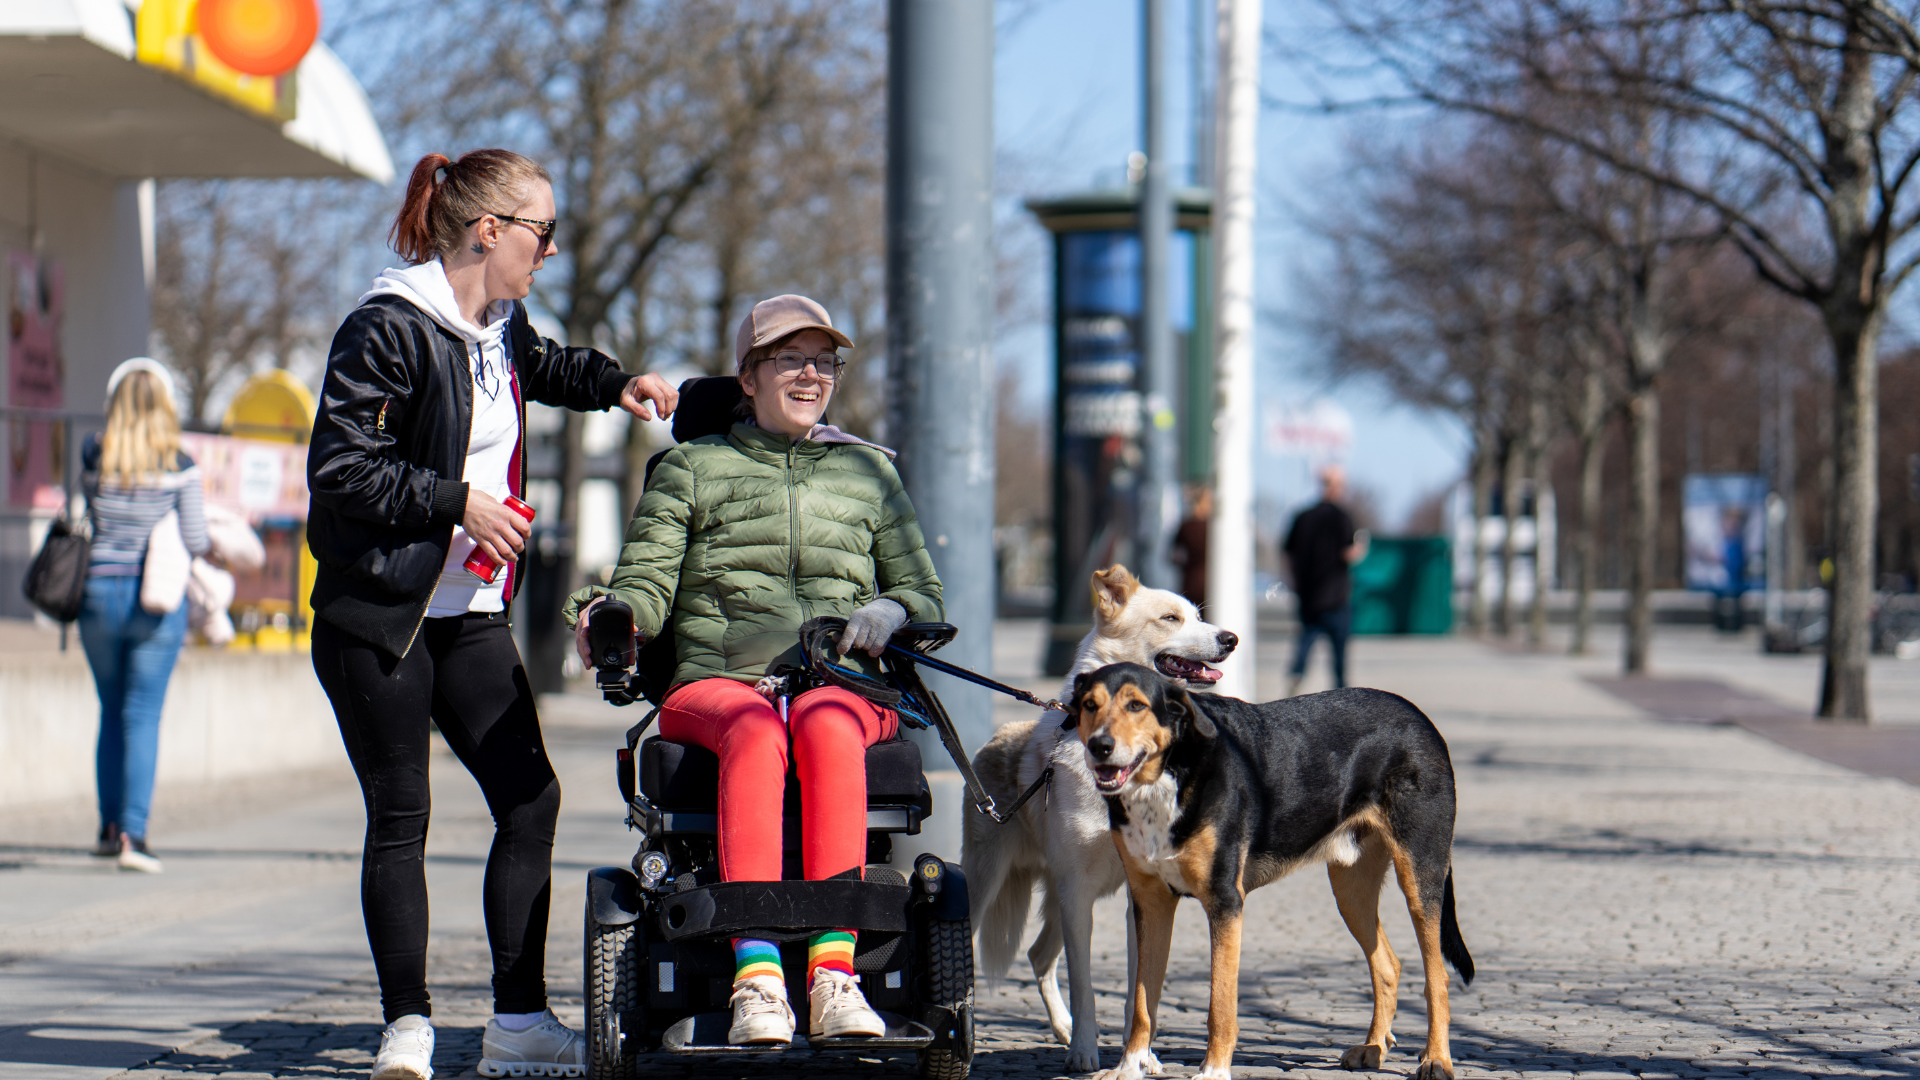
point(147, 364)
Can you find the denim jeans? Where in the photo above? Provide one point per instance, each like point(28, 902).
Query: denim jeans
point(132, 654)
point(1335, 624)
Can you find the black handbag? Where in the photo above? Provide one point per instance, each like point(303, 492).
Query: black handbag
point(57, 580)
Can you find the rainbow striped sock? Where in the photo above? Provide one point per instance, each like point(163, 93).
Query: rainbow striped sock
point(753, 957)
point(832, 950)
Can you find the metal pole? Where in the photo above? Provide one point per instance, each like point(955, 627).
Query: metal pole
point(940, 319)
point(1159, 493)
point(1230, 598)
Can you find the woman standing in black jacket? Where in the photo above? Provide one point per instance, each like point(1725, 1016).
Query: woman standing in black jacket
point(418, 442)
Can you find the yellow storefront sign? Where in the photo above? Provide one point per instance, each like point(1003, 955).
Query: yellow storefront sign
point(167, 36)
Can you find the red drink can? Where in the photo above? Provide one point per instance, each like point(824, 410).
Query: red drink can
point(484, 566)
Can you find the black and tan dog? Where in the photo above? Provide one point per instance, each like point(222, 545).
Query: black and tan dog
point(1215, 800)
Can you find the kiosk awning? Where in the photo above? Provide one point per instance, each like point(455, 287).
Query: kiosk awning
point(71, 88)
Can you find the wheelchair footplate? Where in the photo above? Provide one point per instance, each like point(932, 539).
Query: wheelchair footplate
point(706, 1033)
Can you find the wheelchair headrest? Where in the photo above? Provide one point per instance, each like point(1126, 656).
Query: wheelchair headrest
point(819, 643)
point(706, 407)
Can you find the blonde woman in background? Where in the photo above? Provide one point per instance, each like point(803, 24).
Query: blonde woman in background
point(134, 475)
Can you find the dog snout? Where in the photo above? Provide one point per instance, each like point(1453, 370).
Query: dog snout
point(1100, 746)
point(1228, 640)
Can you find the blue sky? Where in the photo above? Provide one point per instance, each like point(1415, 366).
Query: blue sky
point(1067, 114)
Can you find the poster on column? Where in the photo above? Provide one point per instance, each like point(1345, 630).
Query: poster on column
point(36, 378)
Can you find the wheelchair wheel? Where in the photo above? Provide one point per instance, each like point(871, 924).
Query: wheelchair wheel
point(614, 997)
point(946, 961)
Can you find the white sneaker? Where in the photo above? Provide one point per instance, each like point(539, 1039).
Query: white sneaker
point(135, 856)
point(406, 1050)
point(548, 1048)
point(838, 1009)
point(760, 1012)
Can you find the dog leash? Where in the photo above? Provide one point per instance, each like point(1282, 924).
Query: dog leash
point(982, 801)
point(976, 678)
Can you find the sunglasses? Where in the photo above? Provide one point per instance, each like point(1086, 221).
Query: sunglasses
point(543, 228)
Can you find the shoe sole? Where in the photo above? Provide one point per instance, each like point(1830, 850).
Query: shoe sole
point(403, 1072)
point(490, 1067)
point(771, 1038)
point(148, 866)
point(847, 1031)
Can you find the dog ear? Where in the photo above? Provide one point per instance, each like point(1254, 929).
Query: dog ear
point(1112, 588)
point(1180, 704)
point(1080, 682)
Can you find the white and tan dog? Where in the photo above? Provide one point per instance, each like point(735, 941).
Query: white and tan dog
point(1060, 839)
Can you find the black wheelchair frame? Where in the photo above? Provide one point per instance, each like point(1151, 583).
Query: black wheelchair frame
point(659, 966)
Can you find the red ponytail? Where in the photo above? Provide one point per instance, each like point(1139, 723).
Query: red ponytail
point(412, 234)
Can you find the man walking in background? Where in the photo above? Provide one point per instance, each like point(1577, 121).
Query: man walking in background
point(1189, 548)
point(1321, 546)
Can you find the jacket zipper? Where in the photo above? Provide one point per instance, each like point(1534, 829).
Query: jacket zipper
point(431, 593)
point(793, 538)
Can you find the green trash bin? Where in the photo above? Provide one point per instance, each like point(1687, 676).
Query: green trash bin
point(1404, 586)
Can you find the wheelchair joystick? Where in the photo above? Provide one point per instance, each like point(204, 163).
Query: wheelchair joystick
point(610, 643)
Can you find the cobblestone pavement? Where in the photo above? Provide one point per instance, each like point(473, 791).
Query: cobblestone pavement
point(1641, 898)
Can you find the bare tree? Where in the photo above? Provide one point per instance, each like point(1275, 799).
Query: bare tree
point(1804, 149)
point(236, 287)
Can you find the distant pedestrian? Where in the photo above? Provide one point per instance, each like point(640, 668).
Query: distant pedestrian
point(135, 476)
point(1321, 547)
point(419, 445)
point(1189, 548)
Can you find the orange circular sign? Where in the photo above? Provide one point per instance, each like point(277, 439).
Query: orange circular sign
point(259, 37)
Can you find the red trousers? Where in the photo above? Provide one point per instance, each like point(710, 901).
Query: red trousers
point(826, 734)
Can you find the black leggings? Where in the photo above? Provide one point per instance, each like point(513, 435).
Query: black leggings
point(464, 675)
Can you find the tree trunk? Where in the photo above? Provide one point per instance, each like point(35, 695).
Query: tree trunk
point(1856, 436)
point(1513, 471)
point(1586, 541)
point(1643, 518)
point(1543, 511)
point(1482, 496)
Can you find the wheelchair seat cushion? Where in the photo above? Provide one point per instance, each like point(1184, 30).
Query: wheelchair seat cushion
point(681, 776)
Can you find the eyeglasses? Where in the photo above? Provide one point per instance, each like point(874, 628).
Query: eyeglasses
point(826, 367)
point(543, 228)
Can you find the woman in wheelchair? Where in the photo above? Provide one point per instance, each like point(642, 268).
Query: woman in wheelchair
point(739, 539)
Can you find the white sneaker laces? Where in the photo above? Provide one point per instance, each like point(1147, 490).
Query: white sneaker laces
point(842, 991)
point(752, 999)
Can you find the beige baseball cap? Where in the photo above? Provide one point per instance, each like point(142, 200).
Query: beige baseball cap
point(770, 320)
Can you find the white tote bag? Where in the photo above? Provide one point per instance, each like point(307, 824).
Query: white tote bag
point(164, 580)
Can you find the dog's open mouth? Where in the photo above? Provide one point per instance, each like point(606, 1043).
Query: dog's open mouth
point(1179, 667)
point(1111, 778)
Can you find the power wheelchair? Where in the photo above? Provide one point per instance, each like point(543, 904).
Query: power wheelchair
point(659, 966)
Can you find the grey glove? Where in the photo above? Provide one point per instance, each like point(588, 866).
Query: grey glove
point(872, 626)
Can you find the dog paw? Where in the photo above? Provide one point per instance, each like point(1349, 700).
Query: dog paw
point(1434, 1069)
point(1132, 1067)
point(1083, 1061)
point(1150, 1065)
point(1363, 1058)
point(1213, 1072)
point(1063, 1034)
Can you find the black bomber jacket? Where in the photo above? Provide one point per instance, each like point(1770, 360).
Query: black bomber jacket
point(389, 445)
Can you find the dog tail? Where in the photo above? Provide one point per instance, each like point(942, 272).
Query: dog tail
point(1452, 946)
point(1000, 895)
point(1004, 924)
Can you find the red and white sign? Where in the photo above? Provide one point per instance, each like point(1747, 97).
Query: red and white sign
point(257, 478)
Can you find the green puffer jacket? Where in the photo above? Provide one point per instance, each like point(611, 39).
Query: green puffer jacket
point(744, 536)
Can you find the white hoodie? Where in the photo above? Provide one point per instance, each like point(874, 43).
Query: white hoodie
point(496, 421)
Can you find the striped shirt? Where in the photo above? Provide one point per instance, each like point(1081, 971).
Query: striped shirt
point(124, 517)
